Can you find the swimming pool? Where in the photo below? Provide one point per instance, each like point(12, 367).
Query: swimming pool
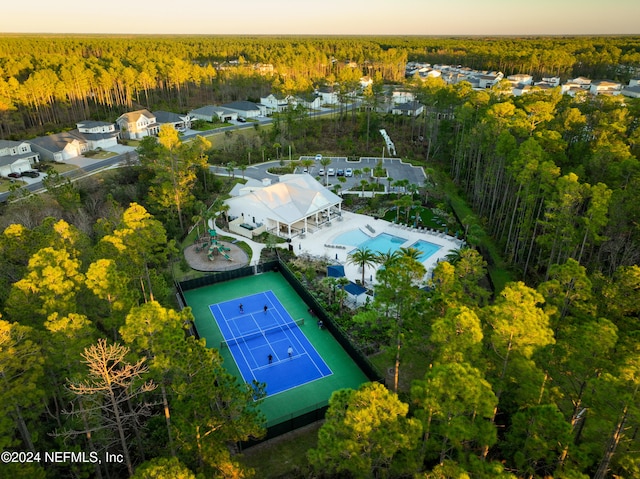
point(381, 243)
point(427, 249)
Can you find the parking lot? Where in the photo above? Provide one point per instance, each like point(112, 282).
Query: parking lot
point(342, 166)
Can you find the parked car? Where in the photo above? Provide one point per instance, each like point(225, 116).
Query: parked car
point(31, 174)
point(331, 172)
point(14, 174)
point(318, 157)
point(348, 172)
point(321, 171)
point(241, 120)
point(340, 172)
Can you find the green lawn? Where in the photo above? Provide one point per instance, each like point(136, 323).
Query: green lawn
point(5, 184)
point(284, 456)
point(100, 155)
point(427, 218)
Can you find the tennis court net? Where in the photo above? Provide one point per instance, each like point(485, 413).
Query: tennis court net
point(259, 334)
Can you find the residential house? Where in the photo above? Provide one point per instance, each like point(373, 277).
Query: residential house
point(520, 89)
point(413, 108)
point(426, 73)
point(277, 102)
point(605, 87)
point(631, 91)
point(365, 82)
point(60, 146)
point(453, 78)
point(402, 96)
point(137, 124)
point(520, 78)
point(580, 82)
point(212, 113)
point(178, 122)
point(489, 80)
point(246, 109)
point(16, 156)
point(263, 68)
point(310, 101)
point(328, 95)
point(97, 134)
point(553, 81)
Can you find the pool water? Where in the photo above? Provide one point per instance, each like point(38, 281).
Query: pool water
point(381, 243)
point(427, 249)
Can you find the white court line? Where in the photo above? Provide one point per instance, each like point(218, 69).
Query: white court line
point(302, 348)
point(233, 355)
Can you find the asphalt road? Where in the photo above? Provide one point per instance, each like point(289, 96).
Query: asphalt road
point(395, 168)
point(85, 168)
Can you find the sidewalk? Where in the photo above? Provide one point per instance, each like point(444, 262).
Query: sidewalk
point(256, 248)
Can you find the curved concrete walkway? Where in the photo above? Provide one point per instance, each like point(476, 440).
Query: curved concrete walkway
point(256, 248)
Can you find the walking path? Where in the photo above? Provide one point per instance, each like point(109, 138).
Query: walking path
point(256, 248)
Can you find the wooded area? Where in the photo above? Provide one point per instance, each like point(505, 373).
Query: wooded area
point(539, 379)
point(51, 82)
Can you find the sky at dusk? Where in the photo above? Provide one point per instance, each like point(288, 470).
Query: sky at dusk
point(327, 17)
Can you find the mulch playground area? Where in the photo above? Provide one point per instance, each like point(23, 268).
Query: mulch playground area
point(210, 254)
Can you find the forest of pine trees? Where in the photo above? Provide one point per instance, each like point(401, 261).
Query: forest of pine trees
point(537, 380)
point(47, 82)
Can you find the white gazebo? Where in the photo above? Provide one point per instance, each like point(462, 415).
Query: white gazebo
point(295, 205)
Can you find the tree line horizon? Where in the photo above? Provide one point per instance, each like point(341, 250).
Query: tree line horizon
point(50, 82)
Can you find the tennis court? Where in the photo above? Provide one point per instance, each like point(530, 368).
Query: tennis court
point(296, 400)
point(266, 343)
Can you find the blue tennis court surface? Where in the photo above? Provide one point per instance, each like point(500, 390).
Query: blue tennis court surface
point(267, 344)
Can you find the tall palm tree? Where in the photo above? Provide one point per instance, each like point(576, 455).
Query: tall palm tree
point(341, 293)
point(409, 252)
point(454, 256)
point(307, 163)
point(363, 257)
point(388, 258)
point(325, 162)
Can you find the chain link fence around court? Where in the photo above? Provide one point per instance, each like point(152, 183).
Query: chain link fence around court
point(309, 415)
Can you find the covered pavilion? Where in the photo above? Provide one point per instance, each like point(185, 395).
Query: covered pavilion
point(296, 205)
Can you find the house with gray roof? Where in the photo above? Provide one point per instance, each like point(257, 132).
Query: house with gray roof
point(413, 108)
point(246, 109)
point(177, 121)
point(89, 135)
point(60, 146)
point(16, 156)
point(309, 100)
point(98, 134)
point(213, 113)
point(631, 91)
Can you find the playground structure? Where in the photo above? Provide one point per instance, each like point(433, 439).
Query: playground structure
point(213, 247)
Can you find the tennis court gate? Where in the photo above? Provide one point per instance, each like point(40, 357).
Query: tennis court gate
point(308, 416)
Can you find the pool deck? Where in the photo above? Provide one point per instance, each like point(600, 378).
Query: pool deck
point(320, 244)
